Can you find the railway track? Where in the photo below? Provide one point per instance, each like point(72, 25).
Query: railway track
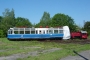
point(76, 41)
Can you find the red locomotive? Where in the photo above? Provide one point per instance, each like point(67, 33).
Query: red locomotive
point(80, 34)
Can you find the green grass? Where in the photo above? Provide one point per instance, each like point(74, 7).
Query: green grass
point(89, 37)
point(67, 50)
point(13, 47)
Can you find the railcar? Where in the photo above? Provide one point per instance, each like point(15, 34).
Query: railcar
point(39, 33)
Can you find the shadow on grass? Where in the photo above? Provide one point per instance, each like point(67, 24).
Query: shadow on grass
point(35, 39)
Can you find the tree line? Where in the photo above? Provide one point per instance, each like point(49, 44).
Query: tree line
point(8, 20)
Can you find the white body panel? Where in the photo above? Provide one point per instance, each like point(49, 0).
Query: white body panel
point(66, 32)
point(41, 30)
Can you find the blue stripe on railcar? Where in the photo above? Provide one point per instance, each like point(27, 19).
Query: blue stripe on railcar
point(56, 35)
point(32, 36)
point(28, 36)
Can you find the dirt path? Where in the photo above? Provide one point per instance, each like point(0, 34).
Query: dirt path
point(35, 53)
point(86, 54)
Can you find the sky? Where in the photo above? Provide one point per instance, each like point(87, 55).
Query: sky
point(79, 10)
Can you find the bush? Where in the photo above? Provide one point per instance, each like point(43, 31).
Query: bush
point(1, 33)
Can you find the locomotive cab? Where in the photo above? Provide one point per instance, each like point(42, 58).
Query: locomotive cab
point(84, 34)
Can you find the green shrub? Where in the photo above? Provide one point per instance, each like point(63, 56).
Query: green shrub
point(1, 33)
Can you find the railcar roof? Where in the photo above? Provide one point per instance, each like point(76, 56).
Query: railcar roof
point(37, 28)
point(83, 31)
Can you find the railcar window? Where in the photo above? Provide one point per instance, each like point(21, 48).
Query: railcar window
point(27, 32)
point(60, 31)
point(56, 31)
point(15, 32)
point(47, 32)
point(50, 31)
point(36, 32)
point(32, 32)
point(40, 32)
point(43, 31)
point(21, 32)
point(10, 32)
point(83, 33)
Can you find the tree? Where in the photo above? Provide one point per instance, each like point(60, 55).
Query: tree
point(1, 18)
point(8, 20)
point(9, 16)
point(45, 20)
point(22, 22)
point(0, 21)
point(87, 26)
point(1, 31)
point(62, 20)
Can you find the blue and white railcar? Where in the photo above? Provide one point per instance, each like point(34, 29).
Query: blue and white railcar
point(39, 33)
